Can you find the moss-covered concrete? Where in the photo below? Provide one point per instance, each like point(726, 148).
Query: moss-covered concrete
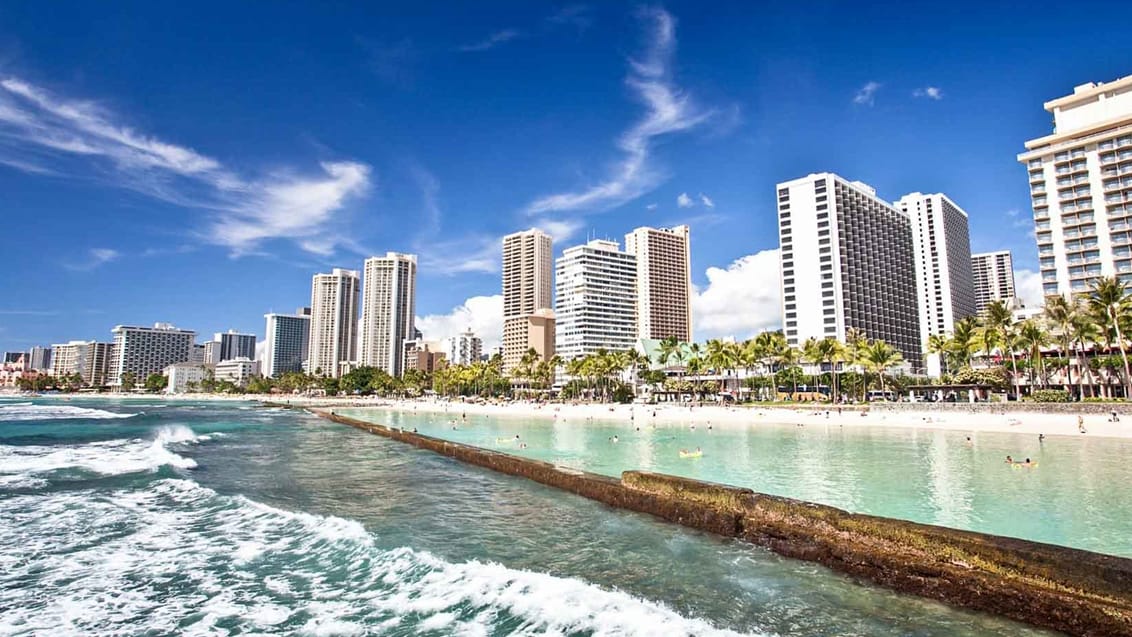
point(1069, 590)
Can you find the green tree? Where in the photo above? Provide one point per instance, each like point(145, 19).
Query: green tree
point(156, 382)
point(129, 381)
point(1109, 302)
point(1059, 314)
point(880, 357)
point(999, 319)
point(1033, 338)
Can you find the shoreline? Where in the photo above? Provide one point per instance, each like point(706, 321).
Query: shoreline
point(1002, 419)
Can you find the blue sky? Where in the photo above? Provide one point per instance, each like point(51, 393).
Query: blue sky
point(197, 163)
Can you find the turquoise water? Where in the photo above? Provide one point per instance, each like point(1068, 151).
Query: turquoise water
point(129, 518)
point(1077, 495)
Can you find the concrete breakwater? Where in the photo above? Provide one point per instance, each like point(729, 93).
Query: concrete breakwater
point(1065, 589)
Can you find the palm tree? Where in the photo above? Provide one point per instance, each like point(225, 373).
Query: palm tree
point(1059, 313)
point(940, 345)
point(855, 342)
point(1033, 338)
point(963, 339)
point(1083, 330)
point(668, 349)
point(1109, 302)
point(787, 358)
point(831, 351)
point(811, 354)
point(999, 319)
point(881, 357)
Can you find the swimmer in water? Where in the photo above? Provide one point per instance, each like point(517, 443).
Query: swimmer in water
point(1041, 437)
point(1009, 460)
point(616, 439)
point(969, 440)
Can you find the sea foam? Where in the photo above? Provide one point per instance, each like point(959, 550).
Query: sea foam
point(26, 411)
point(176, 557)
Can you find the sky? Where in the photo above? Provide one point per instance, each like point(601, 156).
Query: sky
point(197, 163)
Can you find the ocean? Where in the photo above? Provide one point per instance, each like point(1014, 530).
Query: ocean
point(139, 517)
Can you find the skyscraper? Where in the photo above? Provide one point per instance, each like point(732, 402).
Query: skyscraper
point(286, 342)
point(40, 358)
point(148, 350)
point(664, 281)
point(89, 359)
point(942, 249)
point(993, 273)
point(527, 288)
point(1081, 187)
point(388, 306)
point(334, 321)
point(235, 345)
point(596, 305)
point(847, 263)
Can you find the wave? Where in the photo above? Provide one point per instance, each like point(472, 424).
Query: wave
point(178, 557)
point(15, 412)
point(111, 457)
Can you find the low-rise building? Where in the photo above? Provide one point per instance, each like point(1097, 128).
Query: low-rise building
point(183, 376)
point(237, 370)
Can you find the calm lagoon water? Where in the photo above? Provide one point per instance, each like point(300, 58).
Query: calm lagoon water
point(1077, 495)
point(135, 517)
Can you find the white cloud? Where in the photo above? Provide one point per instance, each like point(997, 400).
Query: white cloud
point(1028, 287)
point(684, 201)
point(559, 230)
point(741, 300)
point(668, 110)
point(651, 206)
point(491, 41)
point(930, 92)
point(94, 258)
point(864, 95)
point(242, 212)
point(706, 200)
point(482, 314)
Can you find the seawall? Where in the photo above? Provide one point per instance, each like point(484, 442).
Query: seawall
point(1064, 589)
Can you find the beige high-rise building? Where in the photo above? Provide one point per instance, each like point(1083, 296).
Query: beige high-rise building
point(89, 359)
point(664, 281)
point(528, 272)
point(334, 321)
point(1081, 188)
point(388, 306)
point(993, 273)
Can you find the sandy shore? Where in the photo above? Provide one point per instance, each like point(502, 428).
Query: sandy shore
point(1018, 421)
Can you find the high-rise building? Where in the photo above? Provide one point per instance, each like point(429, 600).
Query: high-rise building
point(148, 350)
point(596, 286)
point(40, 358)
point(286, 342)
point(199, 353)
point(211, 352)
point(388, 306)
point(942, 249)
point(334, 321)
point(418, 354)
point(993, 273)
point(847, 263)
point(527, 273)
point(15, 358)
point(235, 345)
point(664, 281)
point(89, 359)
point(1081, 187)
point(464, 348)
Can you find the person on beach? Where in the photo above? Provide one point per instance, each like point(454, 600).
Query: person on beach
point(1114, 417)
point(1081, 423)
point(1041, 438)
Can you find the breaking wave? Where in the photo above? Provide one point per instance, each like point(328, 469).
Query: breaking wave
point(14, 412)
point(177, 557)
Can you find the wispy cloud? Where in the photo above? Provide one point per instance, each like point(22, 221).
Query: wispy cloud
point(242, 212)
point(575, 15)
point(865, 95)
point(651, 206)
point(490, 42)
point(930, 92)
point(29, 312)
point(95, 257)
point(706, 201)
point(668, 110)
point(684, 201)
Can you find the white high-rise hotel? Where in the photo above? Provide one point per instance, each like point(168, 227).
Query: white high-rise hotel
point(942, 248)
point(664, 281)
point(1081, 187)
point(596, 299)
point(847, 263)
point(388, 306)
point(286, 342)
point(334, 321)
point(142, 351)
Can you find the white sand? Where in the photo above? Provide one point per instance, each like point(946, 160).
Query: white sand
point(1016, 421)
